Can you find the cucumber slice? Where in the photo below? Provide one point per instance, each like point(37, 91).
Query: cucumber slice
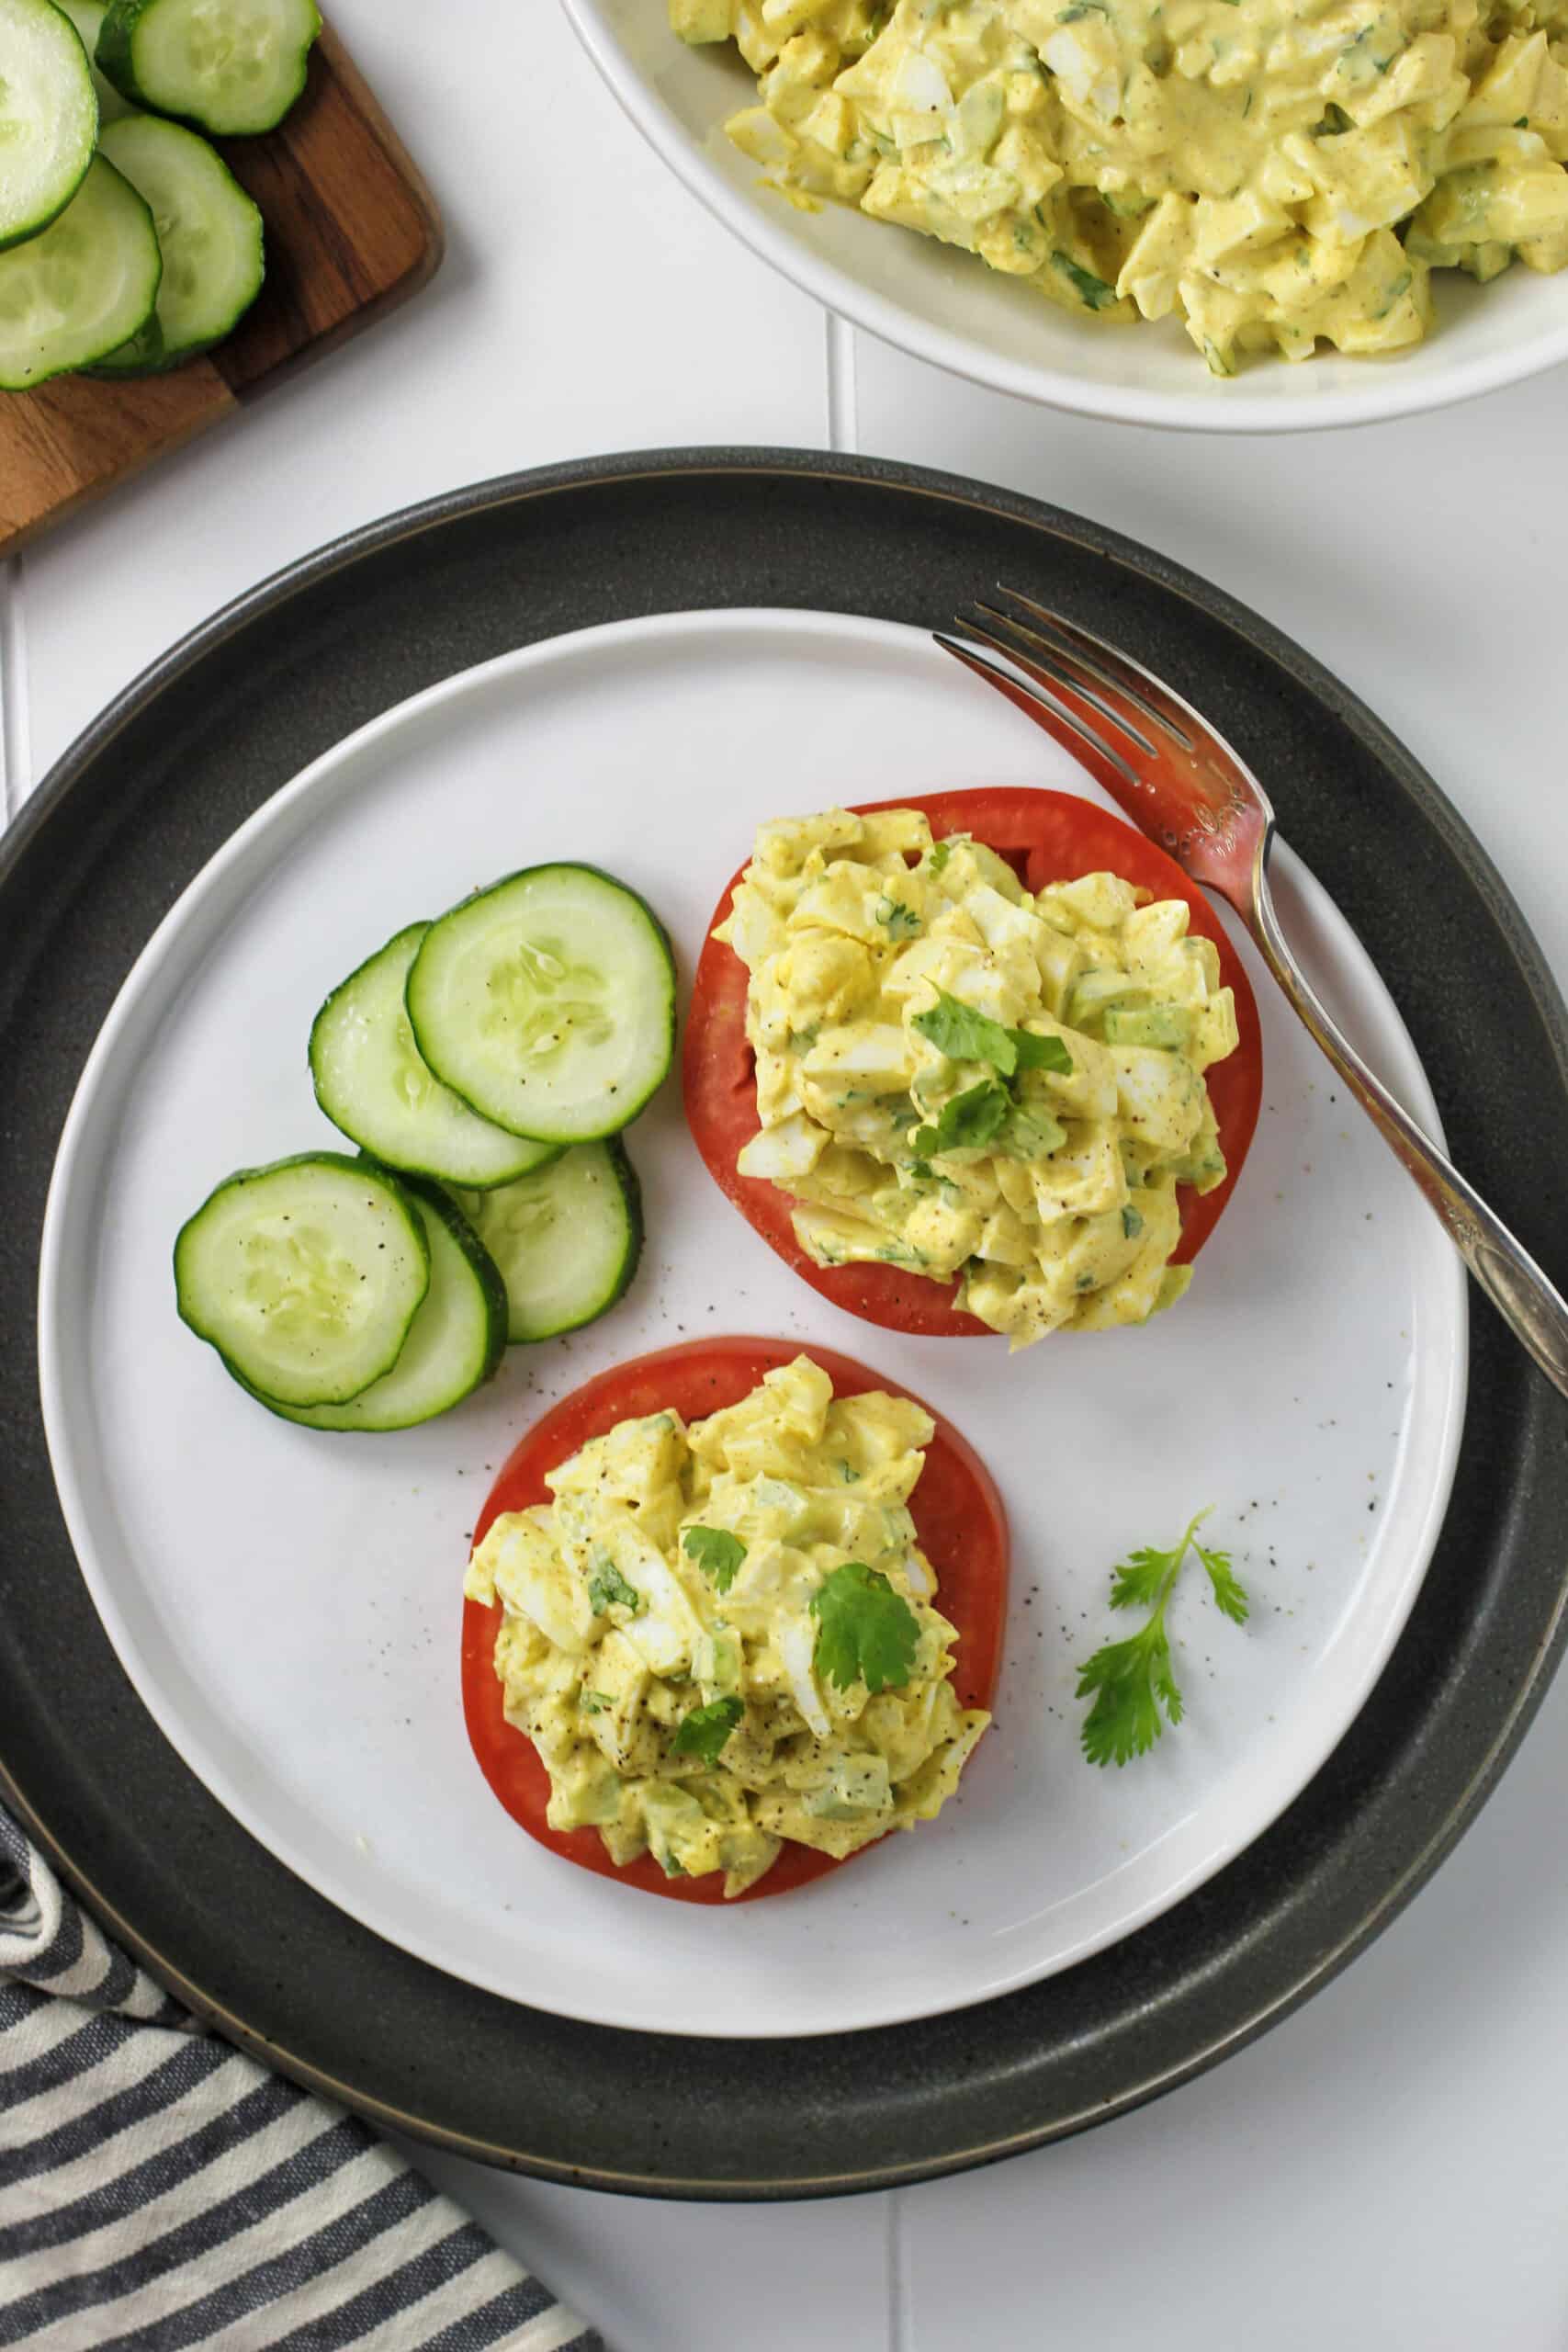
point(547, 1003)
point(49, 116)
point(88, 15)
point(304, 1275)
point(82, 287)
point(371, 1082)
point(210, 234)
point(455, 1341)
point(566, 1239)
point(232, 67)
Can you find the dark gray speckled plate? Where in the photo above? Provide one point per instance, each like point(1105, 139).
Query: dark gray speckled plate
point(149, 794)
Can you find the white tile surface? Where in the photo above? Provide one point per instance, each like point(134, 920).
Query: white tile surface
point(1391, 2166)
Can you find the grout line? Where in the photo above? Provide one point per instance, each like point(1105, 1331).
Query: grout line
point(900, 2310)
point(15, 750)
point(843, 419)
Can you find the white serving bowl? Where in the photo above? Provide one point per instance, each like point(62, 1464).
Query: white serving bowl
point(946, 307)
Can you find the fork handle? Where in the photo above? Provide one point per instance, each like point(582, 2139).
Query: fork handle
point(1535, 1311)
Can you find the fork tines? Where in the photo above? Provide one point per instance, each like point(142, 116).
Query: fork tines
point(1058, 652)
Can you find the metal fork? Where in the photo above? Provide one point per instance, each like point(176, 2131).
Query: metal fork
point(1181, 783)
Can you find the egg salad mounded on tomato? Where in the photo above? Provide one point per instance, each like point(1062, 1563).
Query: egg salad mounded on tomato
point(1275, 172)
point(722, 1635)
point(962, 1077)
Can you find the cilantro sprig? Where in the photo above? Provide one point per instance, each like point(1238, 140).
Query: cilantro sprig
point(704, 1732)
point(978, 1116)
point(865, 1632)
point(1133, 1683)
point(717, 1552)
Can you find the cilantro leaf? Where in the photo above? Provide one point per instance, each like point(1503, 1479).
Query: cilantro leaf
point(965, 1035)
point(866, 1632)
point(1130, 1680)
point(717, 1552)
point(704, 1732)
point(1133, 1683)
point(1140, 1580)
point(594, 1702)
point(607, 1585)
point(1228, 1594)
point(970, 1119)
point(898, 920)
point(1035, 1052)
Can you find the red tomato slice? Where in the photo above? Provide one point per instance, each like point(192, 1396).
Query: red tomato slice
point(958, 1517)
point(1045, 837)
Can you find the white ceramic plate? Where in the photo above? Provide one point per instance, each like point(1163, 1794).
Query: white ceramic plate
point(945, 307)
point(287, 1602)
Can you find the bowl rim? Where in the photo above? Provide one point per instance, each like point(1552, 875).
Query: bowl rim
point(1387, 396)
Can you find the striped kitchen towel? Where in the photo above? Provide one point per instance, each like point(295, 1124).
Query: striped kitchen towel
point(160, 2192)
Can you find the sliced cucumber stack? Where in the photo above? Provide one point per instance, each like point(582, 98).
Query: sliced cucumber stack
point(567, 1240)
point(304, 1275)
point(454, 1344)
point(84, 84)
point(233, 67)
point(547, 1003)
point(373, 1293)
point(372, 1083)
point(81, 288)
point(49, 116)
point(210, 234)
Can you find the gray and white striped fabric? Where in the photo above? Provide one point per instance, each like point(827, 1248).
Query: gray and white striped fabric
point(160, 2192)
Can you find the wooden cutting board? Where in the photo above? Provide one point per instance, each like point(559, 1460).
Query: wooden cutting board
point(351, 232)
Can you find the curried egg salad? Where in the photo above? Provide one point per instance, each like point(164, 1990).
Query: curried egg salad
point(1277, 172)
point(724, 1636)
point(961, 1078)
